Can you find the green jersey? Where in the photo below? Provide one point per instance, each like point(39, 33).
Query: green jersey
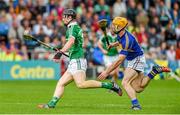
point(113, 51)
point(75, 31)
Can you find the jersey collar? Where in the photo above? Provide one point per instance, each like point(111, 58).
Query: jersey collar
point(120, 38)
point(71, 24)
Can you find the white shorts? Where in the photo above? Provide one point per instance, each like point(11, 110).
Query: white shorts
point(138, 63)
point(76, 65)
point(108, 60)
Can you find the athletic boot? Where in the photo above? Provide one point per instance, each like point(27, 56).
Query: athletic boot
point(159, 69)
point(136, 107)
point(116, 89)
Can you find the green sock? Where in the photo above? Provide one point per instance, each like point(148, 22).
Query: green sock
point(107, 85)
point(53, 101)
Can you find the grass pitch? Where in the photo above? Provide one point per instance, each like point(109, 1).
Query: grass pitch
point(23, 96)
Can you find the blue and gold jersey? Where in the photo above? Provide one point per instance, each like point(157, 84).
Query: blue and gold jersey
point(130, 47)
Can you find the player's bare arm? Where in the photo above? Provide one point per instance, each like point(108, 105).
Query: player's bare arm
point(101, 47)
point(115, 44)
point(105, 73)
point(68, 45)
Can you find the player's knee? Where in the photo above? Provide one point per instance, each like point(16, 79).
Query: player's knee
point(81, 85)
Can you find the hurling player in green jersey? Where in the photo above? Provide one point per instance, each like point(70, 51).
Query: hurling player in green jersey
point(110, 55)
point(77, 66)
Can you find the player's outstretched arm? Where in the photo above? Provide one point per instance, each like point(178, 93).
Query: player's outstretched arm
point(114, 44)
point(68, 44)
point(101, 47)
point(113, 66)
point(64, 49)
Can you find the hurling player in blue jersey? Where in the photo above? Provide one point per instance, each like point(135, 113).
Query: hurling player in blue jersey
point(134, 80)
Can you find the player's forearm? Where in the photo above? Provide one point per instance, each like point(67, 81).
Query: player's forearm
point(67, 46)
point(114, 66)
point(100, 46)
point(114, 44)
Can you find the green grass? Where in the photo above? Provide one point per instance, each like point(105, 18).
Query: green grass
point(23, 97)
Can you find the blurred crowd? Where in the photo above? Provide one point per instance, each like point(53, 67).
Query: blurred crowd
point(155, 23)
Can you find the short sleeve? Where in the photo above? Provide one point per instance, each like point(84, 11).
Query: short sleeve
point(123, 52)
point(72, 32)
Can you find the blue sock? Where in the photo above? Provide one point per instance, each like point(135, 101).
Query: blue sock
point(152, 73)
point(135, 102)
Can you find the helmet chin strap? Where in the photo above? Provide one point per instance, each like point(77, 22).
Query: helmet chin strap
point(69, 22)
point(121, 29)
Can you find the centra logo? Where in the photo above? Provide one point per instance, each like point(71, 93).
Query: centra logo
point(37, 72)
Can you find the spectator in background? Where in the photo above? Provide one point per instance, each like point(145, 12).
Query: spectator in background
point(101, 7)
point(56, 42)
point(95, 23)
point(163, 12)
point(170, 35)
point(3, 47)
point(132, 11)
point(4, 27)
point(16, 32)
point(13, 53)
point(3, 5)
point(162, 51)
point(80, 8)
point(156, 24)
point(24, 52)
point(89, 19)
point(61, 29)
point(40, 7)
point(154, 41)
point(83, 17)
point(39, 28)
point(60, 10)
point(175, 14)
point(141, 35)
point(48, 51)
point(51, 6)
point(119, 8)
point(141, 17)
point(40, 35)
point(171, 53)
point(13, 45)
point(11, 15)
point(152, 14)
point(52, 16)
point(177, 31)
point(62, 41)
point(153, 53)
point(87, 46)
point(102, 10)
point(140, 8)
point(49, 29)
point(178, 50)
